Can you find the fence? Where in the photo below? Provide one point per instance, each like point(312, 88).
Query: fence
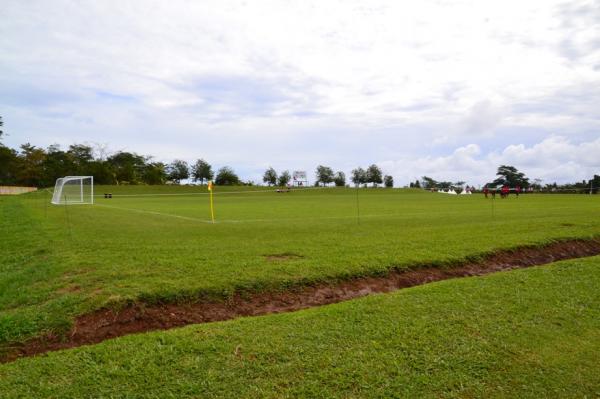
point(15, 190)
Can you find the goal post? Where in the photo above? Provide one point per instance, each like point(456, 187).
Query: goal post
point(73, 190)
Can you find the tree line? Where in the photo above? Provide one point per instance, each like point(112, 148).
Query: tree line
point(506, 175)
point(40, 167)
point(324, 176)
point(373, 175)
point(512, 177)
point(35, 166)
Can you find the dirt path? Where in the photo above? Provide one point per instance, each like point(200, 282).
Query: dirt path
point(106, 323)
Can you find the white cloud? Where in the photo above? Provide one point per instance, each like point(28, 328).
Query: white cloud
point(555, 159)
point(295, 84)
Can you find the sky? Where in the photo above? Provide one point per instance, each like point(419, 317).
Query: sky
point(447, 89)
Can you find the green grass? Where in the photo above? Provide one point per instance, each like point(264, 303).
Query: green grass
point(527, 333)
point(58, 262)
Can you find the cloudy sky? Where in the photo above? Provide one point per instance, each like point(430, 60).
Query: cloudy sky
point(448, 89)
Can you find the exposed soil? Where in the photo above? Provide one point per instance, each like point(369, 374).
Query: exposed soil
point(283, 257)
point(69, 289)
point(109, 323)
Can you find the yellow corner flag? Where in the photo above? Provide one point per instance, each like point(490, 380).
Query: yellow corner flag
point(212, 210)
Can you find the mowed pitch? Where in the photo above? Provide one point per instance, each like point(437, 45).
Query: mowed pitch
point(63, 261)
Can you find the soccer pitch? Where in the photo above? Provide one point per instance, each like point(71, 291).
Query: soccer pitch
point(156, 244)
point(150, 245)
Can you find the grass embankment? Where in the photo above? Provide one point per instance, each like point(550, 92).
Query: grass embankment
point(59, 262)
point(524, 333)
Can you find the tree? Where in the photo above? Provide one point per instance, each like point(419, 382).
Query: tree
point(102, 171)
point(154, 173)
point(511, 176)
point(9, 166)
point(340, 179)
point(178, 170)
point(324, 175)
point(127, 167)
point(100, 151)
point(374, 175)
point(444, 184)
point(284, 178)
point(595, 184)
point(57, 164)
point(428, 182)
point(417, 184)
point(359, 176)
point(1, 124)
point(81, 155)
point(388, 181)
point(31, 170)
point(202, 171)
point(226, 177)
point(270, 177)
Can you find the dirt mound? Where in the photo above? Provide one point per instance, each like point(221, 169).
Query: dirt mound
point(108, 323)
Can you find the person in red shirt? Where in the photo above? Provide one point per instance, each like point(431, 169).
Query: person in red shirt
point(486, 191)
point(505, 191)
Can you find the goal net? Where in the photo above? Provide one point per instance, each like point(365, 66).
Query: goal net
point(71, 190)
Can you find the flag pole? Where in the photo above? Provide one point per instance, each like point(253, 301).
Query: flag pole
point(212, 209)
point(357, 206)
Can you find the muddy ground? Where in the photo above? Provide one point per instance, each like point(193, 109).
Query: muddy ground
point(110, 323)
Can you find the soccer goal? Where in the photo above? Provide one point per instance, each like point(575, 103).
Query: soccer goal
point(71, 190)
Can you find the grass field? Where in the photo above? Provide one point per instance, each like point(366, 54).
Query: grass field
point(156, 244)
point(59, 261)
point(527, 333)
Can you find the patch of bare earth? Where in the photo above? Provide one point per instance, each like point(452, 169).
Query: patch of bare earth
point(283, 257)
point(69, 289)
point(109, 323)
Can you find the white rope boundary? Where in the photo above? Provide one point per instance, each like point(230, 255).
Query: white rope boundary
point(214, 193)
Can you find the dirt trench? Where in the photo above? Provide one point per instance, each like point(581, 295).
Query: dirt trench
point(109, 323)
